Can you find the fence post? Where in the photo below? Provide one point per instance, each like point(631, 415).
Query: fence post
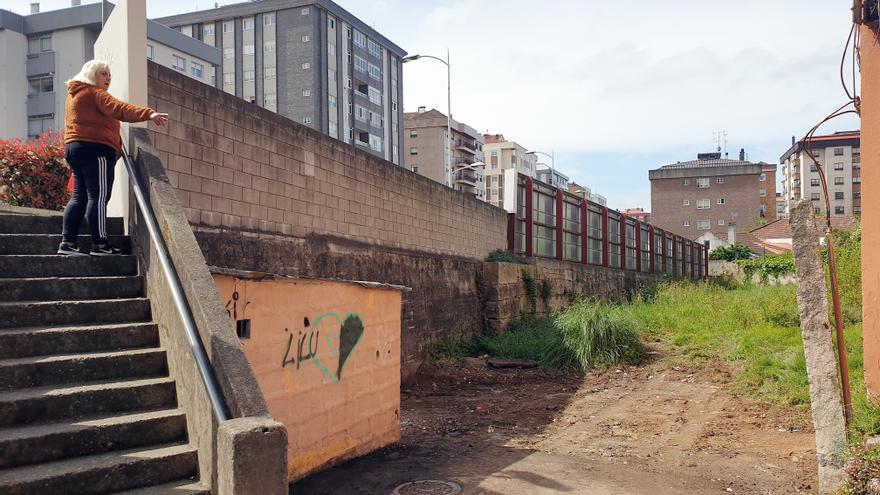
point(706, 263)
point(652, 249)
point(585, 238)
point(638, 232)
point(560, 224)
point(604, 236)
point(511, 232)
point(663, 249)
point(529, 215)
point(674, 257)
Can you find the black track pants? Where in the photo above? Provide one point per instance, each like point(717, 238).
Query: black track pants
point(92, 166)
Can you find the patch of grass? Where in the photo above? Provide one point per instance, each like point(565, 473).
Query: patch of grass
point(600, 334)
point(535, 339)
point(505, 256)
point(455, 346)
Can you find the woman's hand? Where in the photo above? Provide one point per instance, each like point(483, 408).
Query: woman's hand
point(159, 119)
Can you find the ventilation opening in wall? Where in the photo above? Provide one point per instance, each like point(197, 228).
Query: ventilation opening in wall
point(243, 329)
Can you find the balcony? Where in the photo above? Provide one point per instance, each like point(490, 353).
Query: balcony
point(41, 64)
point(41, 104)
point(466, 177)
point(466, 147)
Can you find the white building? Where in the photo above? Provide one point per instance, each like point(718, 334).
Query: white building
point(839, 156)
point(40, 51)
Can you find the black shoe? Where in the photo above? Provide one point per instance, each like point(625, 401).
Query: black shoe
point(105, 249)
point(71, 249)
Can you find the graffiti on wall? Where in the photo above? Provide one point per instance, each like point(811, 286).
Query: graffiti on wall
point(323, 344)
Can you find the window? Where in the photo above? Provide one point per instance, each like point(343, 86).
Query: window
point(703, 225)
point(375, 72)
point(197, 69)
point(248, 49)
point(331, 23)
point(839, 210)
point(208, 29)
point(269, 47)
point(305, 11)
point(307, 92)
point(762, 177)
point(229, 53)
point(721, 222)
point(703, 182)
point(704, 204)
point(815, 196)
point(307, 120)
point(373, 48)
point(838, 195)
point(415, 168)
point(228, 78)
point(269, 19)
point(686, 202)
point(306, 65)
point(187, 30)
point(686, 223)
point(39, 44)
point(270, 100)
point(331, 49)
point(375, 119)
point(719, 201)
point(414, 134)
point(178, 63)
point(838, 165)
point(269, 73)
point(360, 64)
point(306, 39)
point(247, 23)
point(348, 32)
point(375, 143)
point(39, 85)
point(247, 76)
point(375, 95)
point(686, 182)
point(857, 195)
point(814, 182)
point(228, 27)
point(838, 181)
point(838, 151)
point(332, 101)
point(149, 52)
point(719, 180)
point(413, 151)
point(331, 75)
point(813, 168)
point(762, 192)
point(39, 125)
point(360, 39)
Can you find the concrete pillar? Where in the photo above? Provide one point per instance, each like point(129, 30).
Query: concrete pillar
point(252, 457)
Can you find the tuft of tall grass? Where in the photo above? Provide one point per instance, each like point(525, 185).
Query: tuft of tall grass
point(600, 334)
point(533, 339)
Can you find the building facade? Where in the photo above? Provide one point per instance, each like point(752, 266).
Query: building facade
point(427, 151)
point(638, 213)
point(502, 155)
point(710, 193)
point(312, 62)
point(44, 49)
point(552, 176)
point(839, 155)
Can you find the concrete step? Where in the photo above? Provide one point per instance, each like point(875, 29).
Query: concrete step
point(185, 487)
point(48, 243)
point(37, 405)
point(54, 313)
point(42, 371)
point(59, 265)
point(98, 474)
point(41, 341)
point(70, 288)
point(49, 224)
point(74, 438)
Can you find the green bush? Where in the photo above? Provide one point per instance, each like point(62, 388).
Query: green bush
point(730, 253)
point(600, 334)
point(505, 256)
point(534, 339)
point(848, 255)
point(769, 265)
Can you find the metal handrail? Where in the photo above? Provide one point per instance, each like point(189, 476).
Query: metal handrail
point(183, 309)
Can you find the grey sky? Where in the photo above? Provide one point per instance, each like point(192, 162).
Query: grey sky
point(615, 90)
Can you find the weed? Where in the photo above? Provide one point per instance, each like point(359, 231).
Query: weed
point(546, 291)
point(534, 339)
point(531, 291)
point(506, 257)
point(600, 334)
point(455, 346)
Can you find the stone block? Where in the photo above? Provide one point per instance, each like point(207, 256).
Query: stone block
point(253, 454)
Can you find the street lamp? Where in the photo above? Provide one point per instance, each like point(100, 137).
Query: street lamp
point(448, 108)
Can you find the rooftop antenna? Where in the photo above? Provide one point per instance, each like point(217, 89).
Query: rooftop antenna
point(720, 141)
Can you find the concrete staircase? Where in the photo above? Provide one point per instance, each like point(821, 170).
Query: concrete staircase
point(86, 403)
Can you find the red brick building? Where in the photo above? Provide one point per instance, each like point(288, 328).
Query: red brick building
point(710, 193)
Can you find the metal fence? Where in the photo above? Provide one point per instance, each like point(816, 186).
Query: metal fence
point(553, 223)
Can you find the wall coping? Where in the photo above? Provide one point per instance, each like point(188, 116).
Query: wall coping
point(260, 276)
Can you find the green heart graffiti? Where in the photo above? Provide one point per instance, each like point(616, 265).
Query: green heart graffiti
point(342, 345)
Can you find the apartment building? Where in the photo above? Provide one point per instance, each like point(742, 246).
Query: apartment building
point(502, 155)
point(311, 61)
point(639, 214)
point(707, 194)
point(428, 150)
point(585, 192)
point(42, 50)
point(839, 156)
point(551, 176)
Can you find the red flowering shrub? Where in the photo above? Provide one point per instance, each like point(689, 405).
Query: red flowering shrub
point(34, 173)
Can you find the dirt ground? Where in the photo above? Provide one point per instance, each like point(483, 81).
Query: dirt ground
point(656, 429)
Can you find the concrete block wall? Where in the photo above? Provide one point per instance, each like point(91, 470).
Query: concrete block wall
point(240, 167)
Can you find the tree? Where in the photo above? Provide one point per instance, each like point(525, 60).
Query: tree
point(731, 253)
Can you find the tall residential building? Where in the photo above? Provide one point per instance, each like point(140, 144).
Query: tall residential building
point(428, 151)
point(704, 195)
point(840, 158)
point(311, 61)
point(40, 51)
point(551, 176)
point(502, 155)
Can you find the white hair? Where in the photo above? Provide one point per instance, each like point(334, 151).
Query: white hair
point(88, 71)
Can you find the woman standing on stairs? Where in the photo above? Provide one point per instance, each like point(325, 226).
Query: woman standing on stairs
point(92, 146)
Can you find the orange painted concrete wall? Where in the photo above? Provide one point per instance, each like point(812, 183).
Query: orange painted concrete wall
point(870, 55)
point(327, 358)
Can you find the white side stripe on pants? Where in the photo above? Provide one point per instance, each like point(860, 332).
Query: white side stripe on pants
point(102, 195)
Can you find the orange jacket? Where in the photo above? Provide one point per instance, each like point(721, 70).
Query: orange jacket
point(93, 115)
